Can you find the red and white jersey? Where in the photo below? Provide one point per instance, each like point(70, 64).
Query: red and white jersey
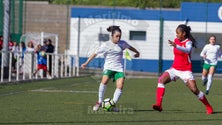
point(182, 55)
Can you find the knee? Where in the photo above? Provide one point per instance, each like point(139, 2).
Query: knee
point(195, 91)
point(160, 80)
point(164, 78)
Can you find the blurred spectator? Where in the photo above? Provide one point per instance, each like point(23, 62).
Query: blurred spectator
point(42, 62)
point(21, 57)
point(1, 46)
point(50, 49)
point(1, 42)
point(15, 50)
point(10, 45)
point(30, 47)
point(29, 59)
point(49, 46)
point(22, 49)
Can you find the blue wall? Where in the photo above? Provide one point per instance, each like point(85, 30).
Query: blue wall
point(143, 65)
point(192, 11)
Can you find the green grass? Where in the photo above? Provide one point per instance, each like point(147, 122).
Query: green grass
point(70, 101)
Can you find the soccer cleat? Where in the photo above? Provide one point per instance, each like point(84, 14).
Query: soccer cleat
point(157, 107)
point(49, 77)
point(115, 109)
point(96, 106)
point(207, 92)
point(209, 110)
point(205, 82)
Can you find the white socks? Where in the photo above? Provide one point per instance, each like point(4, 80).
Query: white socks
point(204, 78)
point(200, 95)
point(102, 89)
point(117, 94)
point(209, 82)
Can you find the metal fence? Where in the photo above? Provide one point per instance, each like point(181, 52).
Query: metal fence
point(21, 68)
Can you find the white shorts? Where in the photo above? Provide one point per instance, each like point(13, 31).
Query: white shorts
point(184, 75)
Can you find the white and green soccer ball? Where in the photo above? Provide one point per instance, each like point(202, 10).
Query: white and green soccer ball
point(43, 53)
point(108, 104)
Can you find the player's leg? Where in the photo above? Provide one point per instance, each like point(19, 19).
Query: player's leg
point(35, 72)
point(193, 87)
point(39, 66)
point(204, 73)
point(163, 79)
point(118, 92)
point(119, 78)
point(210, 78)
point(102, 88)
point(45, 69)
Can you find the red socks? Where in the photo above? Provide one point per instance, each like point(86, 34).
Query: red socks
point(159, 95)
point(203, 99)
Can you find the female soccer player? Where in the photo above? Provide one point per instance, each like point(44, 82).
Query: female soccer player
point(113, 67)
point(181, 68)
point(210, 54)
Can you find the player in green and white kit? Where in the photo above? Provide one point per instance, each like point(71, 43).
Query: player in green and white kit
point(113, 67)
point(210, 54)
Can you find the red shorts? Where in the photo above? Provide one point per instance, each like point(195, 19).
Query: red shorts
point(42, 66)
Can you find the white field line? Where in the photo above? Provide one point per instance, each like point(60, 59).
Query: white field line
point(62, 91)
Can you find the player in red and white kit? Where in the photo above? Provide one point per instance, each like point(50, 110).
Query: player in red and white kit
point(181, 68)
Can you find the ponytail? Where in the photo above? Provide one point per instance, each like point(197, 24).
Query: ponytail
point(187, 29)
point(113, 29)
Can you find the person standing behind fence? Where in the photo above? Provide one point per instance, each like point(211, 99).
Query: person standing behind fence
point(30, 47)
point(1, 42)
point(49, 49)
point(22, 55)
point(181, 68)
point(113, 67)
point(1, 47)
point(41, 61)
point(29, 58)
point(210, 54)
point(15, 55)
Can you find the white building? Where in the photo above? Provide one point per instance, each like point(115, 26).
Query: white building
point(142, 29)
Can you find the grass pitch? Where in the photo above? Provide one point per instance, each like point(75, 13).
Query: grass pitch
point(70, 101)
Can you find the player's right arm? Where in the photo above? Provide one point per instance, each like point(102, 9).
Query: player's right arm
point(88, 60)
point(203, 52)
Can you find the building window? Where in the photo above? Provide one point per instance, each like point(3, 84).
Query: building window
point(103, 37)
point(138, 35)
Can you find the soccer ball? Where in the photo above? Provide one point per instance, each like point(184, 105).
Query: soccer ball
point(108, 104)
point(42, 53)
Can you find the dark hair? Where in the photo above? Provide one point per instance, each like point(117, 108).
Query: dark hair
point(113, 29)
point(23, 44)
point(49, 40)
point(213, 36)
point(187, 30)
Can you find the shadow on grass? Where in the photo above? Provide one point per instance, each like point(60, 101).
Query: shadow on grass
point(157, 111)
point(174, 111)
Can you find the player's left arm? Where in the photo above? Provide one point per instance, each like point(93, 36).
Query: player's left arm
point(88, 60)
point(219, 52)
point(137, 53)
point(186, 49)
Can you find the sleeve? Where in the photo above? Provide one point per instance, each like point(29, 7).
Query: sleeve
point(125, 45)
point(219, 54)
point(101, 50)
point(204, 51)
point(186, 49)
